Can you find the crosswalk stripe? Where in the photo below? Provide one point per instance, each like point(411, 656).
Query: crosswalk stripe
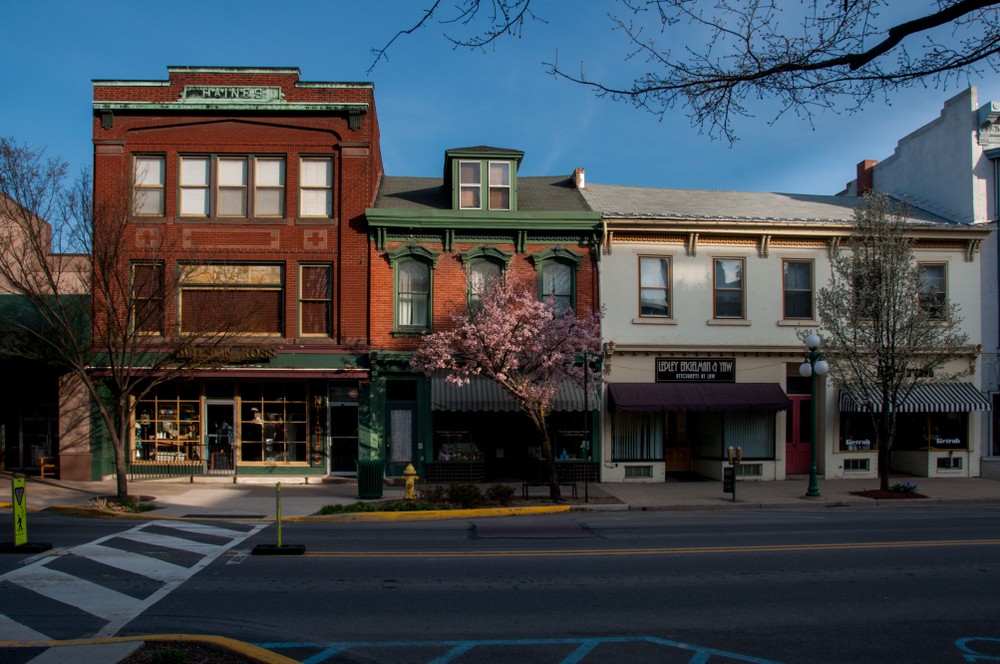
point(136, 563)
point(11, 630)
point(205, 529)
point(170, 542)
point(68, 589)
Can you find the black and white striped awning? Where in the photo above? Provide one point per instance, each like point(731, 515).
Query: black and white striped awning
point(940, 398)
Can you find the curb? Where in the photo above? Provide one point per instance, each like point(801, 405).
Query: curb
point(218, 643)
point(431, 515)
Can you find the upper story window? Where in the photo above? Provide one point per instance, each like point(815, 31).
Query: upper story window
point(729, 288)
point(470, 183)
point(654, 286)
point(483, 265)
point(149, 179)
point(245, 297)
point(482, 275)
point(315, 301)
point(414, 268)
point(798, 291)
point(557, 269)
point(499, 185)
point(147, 289)
point(316, 187)
point(220, 186)
point(933, 289)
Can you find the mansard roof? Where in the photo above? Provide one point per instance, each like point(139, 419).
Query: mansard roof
point(554, 193)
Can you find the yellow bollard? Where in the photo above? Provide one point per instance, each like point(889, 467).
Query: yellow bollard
point(410, 482)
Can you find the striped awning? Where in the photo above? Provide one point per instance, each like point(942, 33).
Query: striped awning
point(940, 398)
point(483, 394)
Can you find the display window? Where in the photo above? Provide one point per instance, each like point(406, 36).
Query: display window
point(168, 424)
point(273, 422)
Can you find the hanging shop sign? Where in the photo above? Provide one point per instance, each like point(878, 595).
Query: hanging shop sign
point(695, 369)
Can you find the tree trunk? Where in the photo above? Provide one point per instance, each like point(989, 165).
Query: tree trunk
point(118, 443)
point(549, 454)
point(883, 453)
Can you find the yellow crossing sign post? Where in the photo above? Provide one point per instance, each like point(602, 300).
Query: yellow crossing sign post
point(20, 512)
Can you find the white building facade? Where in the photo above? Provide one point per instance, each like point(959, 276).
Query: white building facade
point(706, 295)
point(950, 167)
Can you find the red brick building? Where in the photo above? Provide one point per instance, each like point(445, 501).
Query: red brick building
point(426, 232)
point(256, 177)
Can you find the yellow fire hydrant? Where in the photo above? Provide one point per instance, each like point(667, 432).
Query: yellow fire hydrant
point(409, 482)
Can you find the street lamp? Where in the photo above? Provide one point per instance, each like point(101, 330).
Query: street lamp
point(814, 366)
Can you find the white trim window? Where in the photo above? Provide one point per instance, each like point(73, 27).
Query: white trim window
point(149, 194)
point(499, 185)
point(316, 187)
point(220, 186)
point(798, 291)
point(470, 181)
point(933, 288)
point(654, 286)
point(729, 288)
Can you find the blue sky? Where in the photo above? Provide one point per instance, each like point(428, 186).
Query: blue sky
point(430, 97)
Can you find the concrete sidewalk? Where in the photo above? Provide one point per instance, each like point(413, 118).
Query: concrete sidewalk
point(203, 497)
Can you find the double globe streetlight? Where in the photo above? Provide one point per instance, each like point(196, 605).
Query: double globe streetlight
point(814, 366)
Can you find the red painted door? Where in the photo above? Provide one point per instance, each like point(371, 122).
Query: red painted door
point(798, 435)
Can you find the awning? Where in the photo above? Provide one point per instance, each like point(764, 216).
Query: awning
point(940, 398)
point(653, 397)
point(483, 394)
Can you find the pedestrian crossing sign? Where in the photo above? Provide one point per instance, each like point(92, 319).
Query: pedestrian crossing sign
point(20, 513)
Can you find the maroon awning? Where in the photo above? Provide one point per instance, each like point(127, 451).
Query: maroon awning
point(653, 397)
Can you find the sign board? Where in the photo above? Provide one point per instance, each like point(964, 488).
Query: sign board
point(695, 370)
point(20, 511)
point(729, 480)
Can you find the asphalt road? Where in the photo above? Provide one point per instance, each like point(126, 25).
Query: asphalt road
point(908, 584)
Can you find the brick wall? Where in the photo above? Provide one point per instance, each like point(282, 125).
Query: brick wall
point(340, 240)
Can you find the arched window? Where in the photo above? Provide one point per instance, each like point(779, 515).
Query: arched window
point(482, 264)
point(557, 269)
point(413, 265)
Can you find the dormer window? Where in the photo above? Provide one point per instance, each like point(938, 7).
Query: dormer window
point(482, 179)
point(499, 185)
point(470, 180)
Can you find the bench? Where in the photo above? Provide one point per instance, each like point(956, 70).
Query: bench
point(50, 463)
point(526, 485)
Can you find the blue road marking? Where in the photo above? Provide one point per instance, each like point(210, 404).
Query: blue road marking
point(700, 655)
point(971, 655)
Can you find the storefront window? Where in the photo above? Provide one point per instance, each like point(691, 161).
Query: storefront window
point(455, 444)
point(933, 431)
point(273, 422)
point(168, 424)
point(751, 431)
point(856, 432)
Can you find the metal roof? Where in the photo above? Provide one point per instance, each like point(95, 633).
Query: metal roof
point(534, 194)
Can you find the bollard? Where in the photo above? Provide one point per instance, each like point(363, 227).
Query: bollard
point(280, 549)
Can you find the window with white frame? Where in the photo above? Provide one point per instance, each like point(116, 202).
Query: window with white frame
point(499, 185)
point(654, 286)
point(219, 186)
point(315, 301)
point(933, 289)
point(729, 287)
point(798, 293)
point(316, 187)
point(149, 179)
point(470, 185)
point(221, 297)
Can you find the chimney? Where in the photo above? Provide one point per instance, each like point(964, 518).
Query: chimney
point(578, 178)
point(866, 176)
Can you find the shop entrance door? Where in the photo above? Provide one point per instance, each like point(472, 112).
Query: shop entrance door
point(343, 437)
point(400, 438)
point(39, 436)
point(798, 435)
point(220, 438)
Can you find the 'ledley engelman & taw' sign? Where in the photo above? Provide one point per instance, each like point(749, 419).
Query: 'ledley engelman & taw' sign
point(695, 369)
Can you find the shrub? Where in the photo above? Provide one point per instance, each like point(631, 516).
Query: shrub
point(169, 656)
point(331, 509)
point(903, 488)
point(464, 495)
point(502, 494)
point(444, 506)
point(432, 494)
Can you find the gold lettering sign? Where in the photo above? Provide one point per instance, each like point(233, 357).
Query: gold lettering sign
point(226, 355)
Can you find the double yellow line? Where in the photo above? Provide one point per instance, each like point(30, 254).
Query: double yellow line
point(652, 551)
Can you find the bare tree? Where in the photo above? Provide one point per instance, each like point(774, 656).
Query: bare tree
point(93, 293)
point(807, 56)
point(886, 328)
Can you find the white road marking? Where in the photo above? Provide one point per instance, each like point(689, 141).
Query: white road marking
point(118, 608)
